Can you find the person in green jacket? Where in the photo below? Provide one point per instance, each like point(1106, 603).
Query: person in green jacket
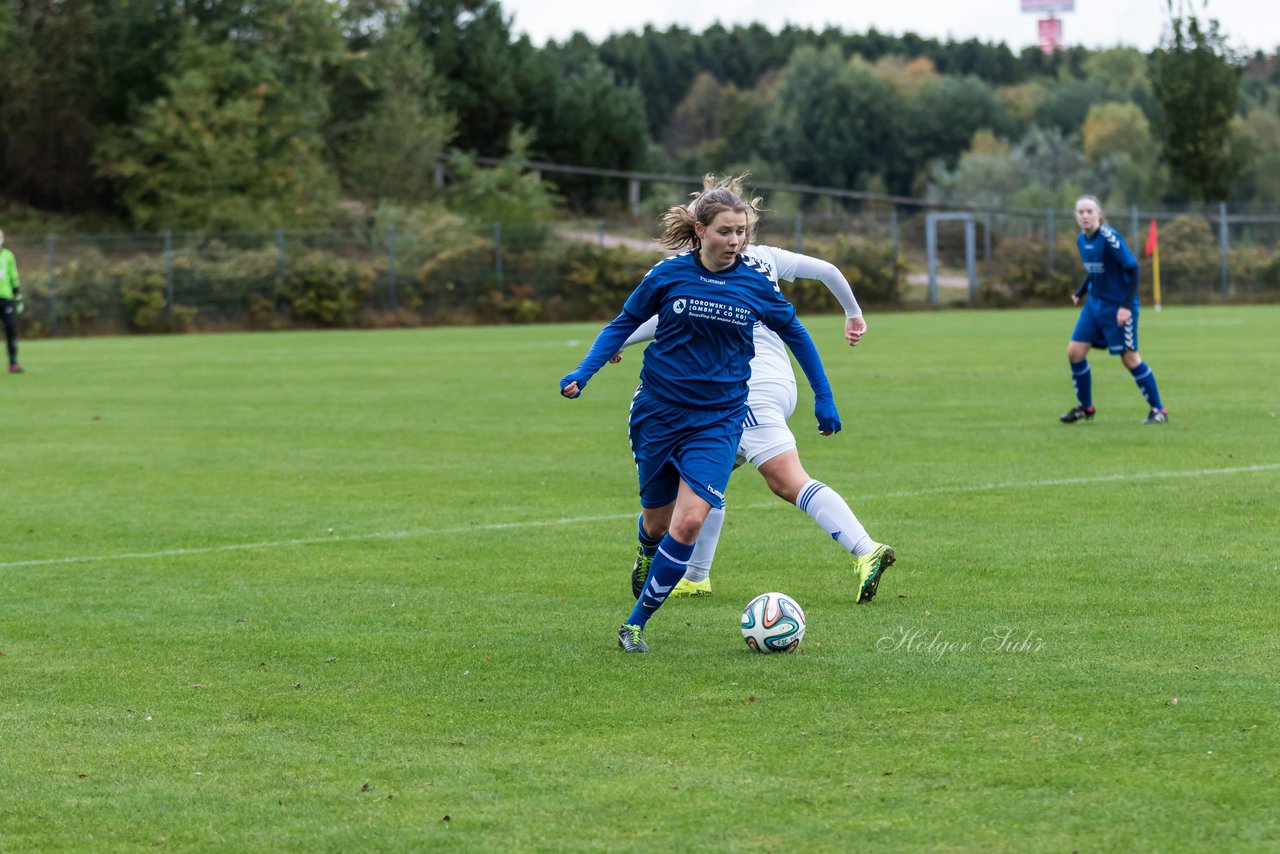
point(10, 303)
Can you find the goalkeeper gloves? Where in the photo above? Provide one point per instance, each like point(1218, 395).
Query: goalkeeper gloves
point(18, 305)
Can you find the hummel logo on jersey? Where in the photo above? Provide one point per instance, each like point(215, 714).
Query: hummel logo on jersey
point(711, 281)
point(763, 268)
point(760, 266)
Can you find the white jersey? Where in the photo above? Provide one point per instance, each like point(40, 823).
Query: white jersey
point(772, 362)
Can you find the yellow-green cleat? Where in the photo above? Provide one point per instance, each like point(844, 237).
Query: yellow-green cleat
point(870, 568)
point(685, 587)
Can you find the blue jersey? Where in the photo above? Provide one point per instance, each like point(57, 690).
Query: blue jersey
point(702, 349)
point(1110, 267)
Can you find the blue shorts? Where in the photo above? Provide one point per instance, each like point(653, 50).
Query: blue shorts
point(672, 443)
point(1097, 327)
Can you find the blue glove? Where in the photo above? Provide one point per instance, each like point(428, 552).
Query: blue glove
point(828, 418)
point(580, 377)
point(606, 345)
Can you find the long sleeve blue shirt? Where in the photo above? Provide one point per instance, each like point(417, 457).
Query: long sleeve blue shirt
point(701, 352)
point(1110, 267)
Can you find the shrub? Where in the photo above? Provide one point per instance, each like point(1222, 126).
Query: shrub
point(873, 268)
point(451, 282)
point(326, 290)
point(143, 296)
point(590, 282)
point(1190, 260)
point(83, 297)
point(1021, 273)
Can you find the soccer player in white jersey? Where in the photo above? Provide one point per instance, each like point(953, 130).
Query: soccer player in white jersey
point(769, 445)
point(687, 414)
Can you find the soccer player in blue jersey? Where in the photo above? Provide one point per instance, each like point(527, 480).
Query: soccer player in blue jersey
point(769, 445)
point(687, 413)
point(1109, 317)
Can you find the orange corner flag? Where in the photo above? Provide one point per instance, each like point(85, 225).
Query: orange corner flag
point(1153, 240)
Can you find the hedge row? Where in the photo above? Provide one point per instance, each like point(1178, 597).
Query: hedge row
point(98, 292)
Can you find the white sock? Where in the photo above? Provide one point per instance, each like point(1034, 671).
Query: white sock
point(704, 549)
point(831, 512)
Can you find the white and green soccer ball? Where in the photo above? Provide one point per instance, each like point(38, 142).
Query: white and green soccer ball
point(773, 622)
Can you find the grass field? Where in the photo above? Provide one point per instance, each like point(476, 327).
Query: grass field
point(358, 591)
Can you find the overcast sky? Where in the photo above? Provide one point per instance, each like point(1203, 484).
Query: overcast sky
point(1249, 24)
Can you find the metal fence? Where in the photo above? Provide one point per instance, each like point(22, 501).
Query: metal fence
point(1240, 244)
point(1206, 255)
point(104, 283)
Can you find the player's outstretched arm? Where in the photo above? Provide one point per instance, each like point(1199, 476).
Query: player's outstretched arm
point(824, 405)
point(829, 274)
point(793, 265)
point(606, 345)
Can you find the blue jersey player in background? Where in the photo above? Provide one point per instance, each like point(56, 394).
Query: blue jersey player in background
point(1110, 314)
point(687, 413)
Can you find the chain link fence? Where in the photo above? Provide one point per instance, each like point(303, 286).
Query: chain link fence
point(1204, 255)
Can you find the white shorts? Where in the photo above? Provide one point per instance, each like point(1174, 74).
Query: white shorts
point(765, 433)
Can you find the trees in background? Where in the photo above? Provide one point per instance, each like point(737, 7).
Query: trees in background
point(593, 121)
point(390, 127)
point(828, 119)
point(1197, 82)
point(492, 81)
point(1257, 138)
point(50, 109)
point(1119, 146)
point(939, 117)
point(235, 139)
point(216, 114)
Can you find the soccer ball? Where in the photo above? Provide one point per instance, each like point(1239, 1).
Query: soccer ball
point(773, 622)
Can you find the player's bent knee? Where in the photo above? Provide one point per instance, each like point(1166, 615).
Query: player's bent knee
point(788, 492)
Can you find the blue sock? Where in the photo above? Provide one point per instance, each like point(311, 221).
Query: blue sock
point(648, 543)
point(1082, 380)
point(668, 568)
point(1147, 384)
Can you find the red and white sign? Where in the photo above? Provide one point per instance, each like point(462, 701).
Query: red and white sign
point(1050, 34)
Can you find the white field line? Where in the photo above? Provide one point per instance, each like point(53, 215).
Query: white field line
point(579, 520)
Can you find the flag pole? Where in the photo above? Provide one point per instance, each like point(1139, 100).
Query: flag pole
point(1155, 274)
point(1153, 249)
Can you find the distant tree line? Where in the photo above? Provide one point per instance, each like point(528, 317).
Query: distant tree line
point(211, 114)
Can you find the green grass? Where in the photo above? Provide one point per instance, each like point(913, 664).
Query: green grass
point(193, 660)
